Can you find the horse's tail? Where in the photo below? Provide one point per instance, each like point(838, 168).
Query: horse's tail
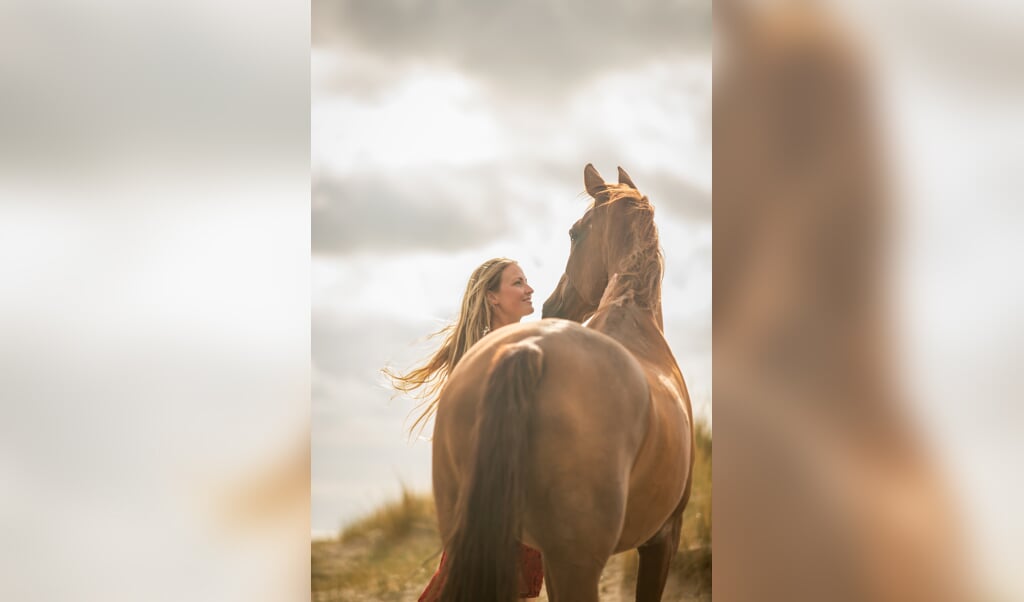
point(483, 551)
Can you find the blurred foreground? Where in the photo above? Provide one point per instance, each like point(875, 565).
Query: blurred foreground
point(834, 479)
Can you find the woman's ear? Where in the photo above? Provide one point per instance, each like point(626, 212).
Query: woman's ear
point(491, 298)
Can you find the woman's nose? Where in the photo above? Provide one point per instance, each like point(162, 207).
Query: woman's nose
point(529, 289)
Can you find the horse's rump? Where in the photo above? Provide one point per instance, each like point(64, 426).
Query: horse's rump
point(583, 428)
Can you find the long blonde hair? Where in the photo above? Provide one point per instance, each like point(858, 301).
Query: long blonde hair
point(425, 381)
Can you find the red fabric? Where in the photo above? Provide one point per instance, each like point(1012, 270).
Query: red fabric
point(531, 576)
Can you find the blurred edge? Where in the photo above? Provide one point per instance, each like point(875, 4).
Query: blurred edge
point(833, 483)
point(154, 312)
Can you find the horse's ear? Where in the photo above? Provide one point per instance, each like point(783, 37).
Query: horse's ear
point(625, 179)
point(594, 182)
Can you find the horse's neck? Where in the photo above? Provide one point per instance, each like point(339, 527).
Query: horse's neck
point(636, 327)
point(630, 309)
point(623, 291)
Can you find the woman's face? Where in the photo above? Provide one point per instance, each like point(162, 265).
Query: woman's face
point(514, 297)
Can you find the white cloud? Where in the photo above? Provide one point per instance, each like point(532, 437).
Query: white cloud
point(428, 117)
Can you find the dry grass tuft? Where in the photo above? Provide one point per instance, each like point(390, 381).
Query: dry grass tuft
point(384, 556)
point(697, 517)
point(395, 520)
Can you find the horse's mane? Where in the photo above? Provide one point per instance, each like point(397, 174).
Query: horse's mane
point(639, 275)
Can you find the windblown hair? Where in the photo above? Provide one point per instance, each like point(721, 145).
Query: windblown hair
point(425, 381)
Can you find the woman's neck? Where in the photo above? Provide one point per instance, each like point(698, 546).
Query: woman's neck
point(499, 321)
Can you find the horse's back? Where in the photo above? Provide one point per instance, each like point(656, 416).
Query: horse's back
point(588, 380)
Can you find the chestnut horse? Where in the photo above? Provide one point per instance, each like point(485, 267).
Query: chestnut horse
point(575, 440)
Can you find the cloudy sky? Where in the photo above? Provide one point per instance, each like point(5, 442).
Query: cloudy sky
point(446, 133)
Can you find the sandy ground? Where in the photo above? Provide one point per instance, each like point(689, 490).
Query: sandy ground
point(618, 584)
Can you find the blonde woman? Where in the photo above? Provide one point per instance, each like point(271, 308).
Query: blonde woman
point(497, 295)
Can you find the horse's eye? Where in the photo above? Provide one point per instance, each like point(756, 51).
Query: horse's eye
point(572, 235)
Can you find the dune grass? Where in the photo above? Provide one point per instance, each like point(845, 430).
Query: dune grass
point(697, 516)
point(381, 556)
point(392, 553)
point(395, 520)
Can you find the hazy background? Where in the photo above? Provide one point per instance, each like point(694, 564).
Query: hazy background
point(867, 164)
point(447, 133)
point(154, 304)
point(949, 78)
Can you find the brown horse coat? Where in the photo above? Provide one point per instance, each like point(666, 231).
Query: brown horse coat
point(575, 440)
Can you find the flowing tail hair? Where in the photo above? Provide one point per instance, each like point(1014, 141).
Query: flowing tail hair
point(483, 551)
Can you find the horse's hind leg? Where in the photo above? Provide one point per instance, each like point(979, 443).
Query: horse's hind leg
point(656, 559)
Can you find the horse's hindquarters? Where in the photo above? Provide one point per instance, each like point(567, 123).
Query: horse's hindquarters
point(588, 424)
point(584, 427)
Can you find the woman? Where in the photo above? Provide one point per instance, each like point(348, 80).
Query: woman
point(497, 294)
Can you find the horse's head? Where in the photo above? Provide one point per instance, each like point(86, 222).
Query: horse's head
point(616, 232)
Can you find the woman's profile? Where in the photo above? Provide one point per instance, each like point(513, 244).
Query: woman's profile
point(497, 294)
